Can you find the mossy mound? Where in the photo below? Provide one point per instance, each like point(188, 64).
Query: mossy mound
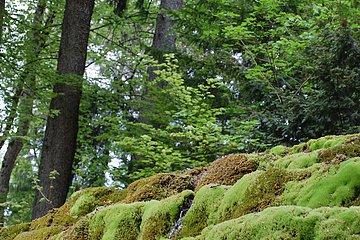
point(159, 186)
point(140, 220)
point(10, 232)
point(42, 233)
point(336, 186)
point(79, 204)
point(203, 211)
point(289, 222)
point(308, 191)
point(228, 170)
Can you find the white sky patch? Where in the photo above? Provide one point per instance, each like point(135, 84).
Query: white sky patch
point(238, 57)
point(92, 71)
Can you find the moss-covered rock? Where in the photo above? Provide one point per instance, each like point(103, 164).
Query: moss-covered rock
point(80, 203)
point(10, 232)
point(279, 150)
point(289, 222)
point(263, 190)
point(203, 211)
point(228, 170)
point(160, 217)
point(324, 142)
point(159, 186)
point(340, 153)
point(303, 192)
point(39, 234)
point(118, 221)
point(335, 186)
point(297, 160)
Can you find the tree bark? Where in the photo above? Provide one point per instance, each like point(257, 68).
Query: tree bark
point(2, 13)
point(163, 42)
point(28, 78)
point(59, 145)
point(12, 113)
point(164, 38)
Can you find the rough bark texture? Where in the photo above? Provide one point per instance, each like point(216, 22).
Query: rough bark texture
point(2, 13)
point(164, 38)
point(163, 42)
point(28, 77)
point(60, 136)
point(12, 113)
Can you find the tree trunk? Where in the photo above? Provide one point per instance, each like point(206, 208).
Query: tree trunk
point(163, 42)
point(164, 39)
point(28, 77)
point(12, 113)
point(59, 145)
point(2, 13)
point(11, 155)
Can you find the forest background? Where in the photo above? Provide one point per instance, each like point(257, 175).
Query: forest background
point(170, 85)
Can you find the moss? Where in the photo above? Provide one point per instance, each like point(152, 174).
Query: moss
point(80, 231)
point(160, 217)
point(10, 232)
point(201, 213)
point(85, 204)
point(296, 161)
point(302, 147)
point(118, 221)
point(79, 204)
point(325, 142)
point(264, 190)
point(279, 150)
point(335, 187)
point(235, 197)
point(87, 200)
point(228, 170)
point(340, 153)
point(39, 234)
point(322, 172)
point(158, 187)
point(290, 222)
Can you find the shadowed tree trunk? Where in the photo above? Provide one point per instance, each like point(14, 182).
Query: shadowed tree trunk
point(12, 113)
point(59, 145)
point(164, 38)
point(36, 44)
point(2, 13)
point(163, 42)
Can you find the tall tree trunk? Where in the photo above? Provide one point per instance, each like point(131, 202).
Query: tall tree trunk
point(28, 77)
point(164, 38)
point(58, 151)
point(12, 153)
point(2, 13)
point(12, 113)
point(163, 42)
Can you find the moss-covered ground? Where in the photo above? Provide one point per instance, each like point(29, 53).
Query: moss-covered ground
point(308, 191)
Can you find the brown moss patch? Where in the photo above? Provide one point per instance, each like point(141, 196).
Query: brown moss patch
point(10, 232)
point(77, 232)
point(227, 170)
point(158, 187)
point(39, 234)
point(340, 153)
point(101, 196)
